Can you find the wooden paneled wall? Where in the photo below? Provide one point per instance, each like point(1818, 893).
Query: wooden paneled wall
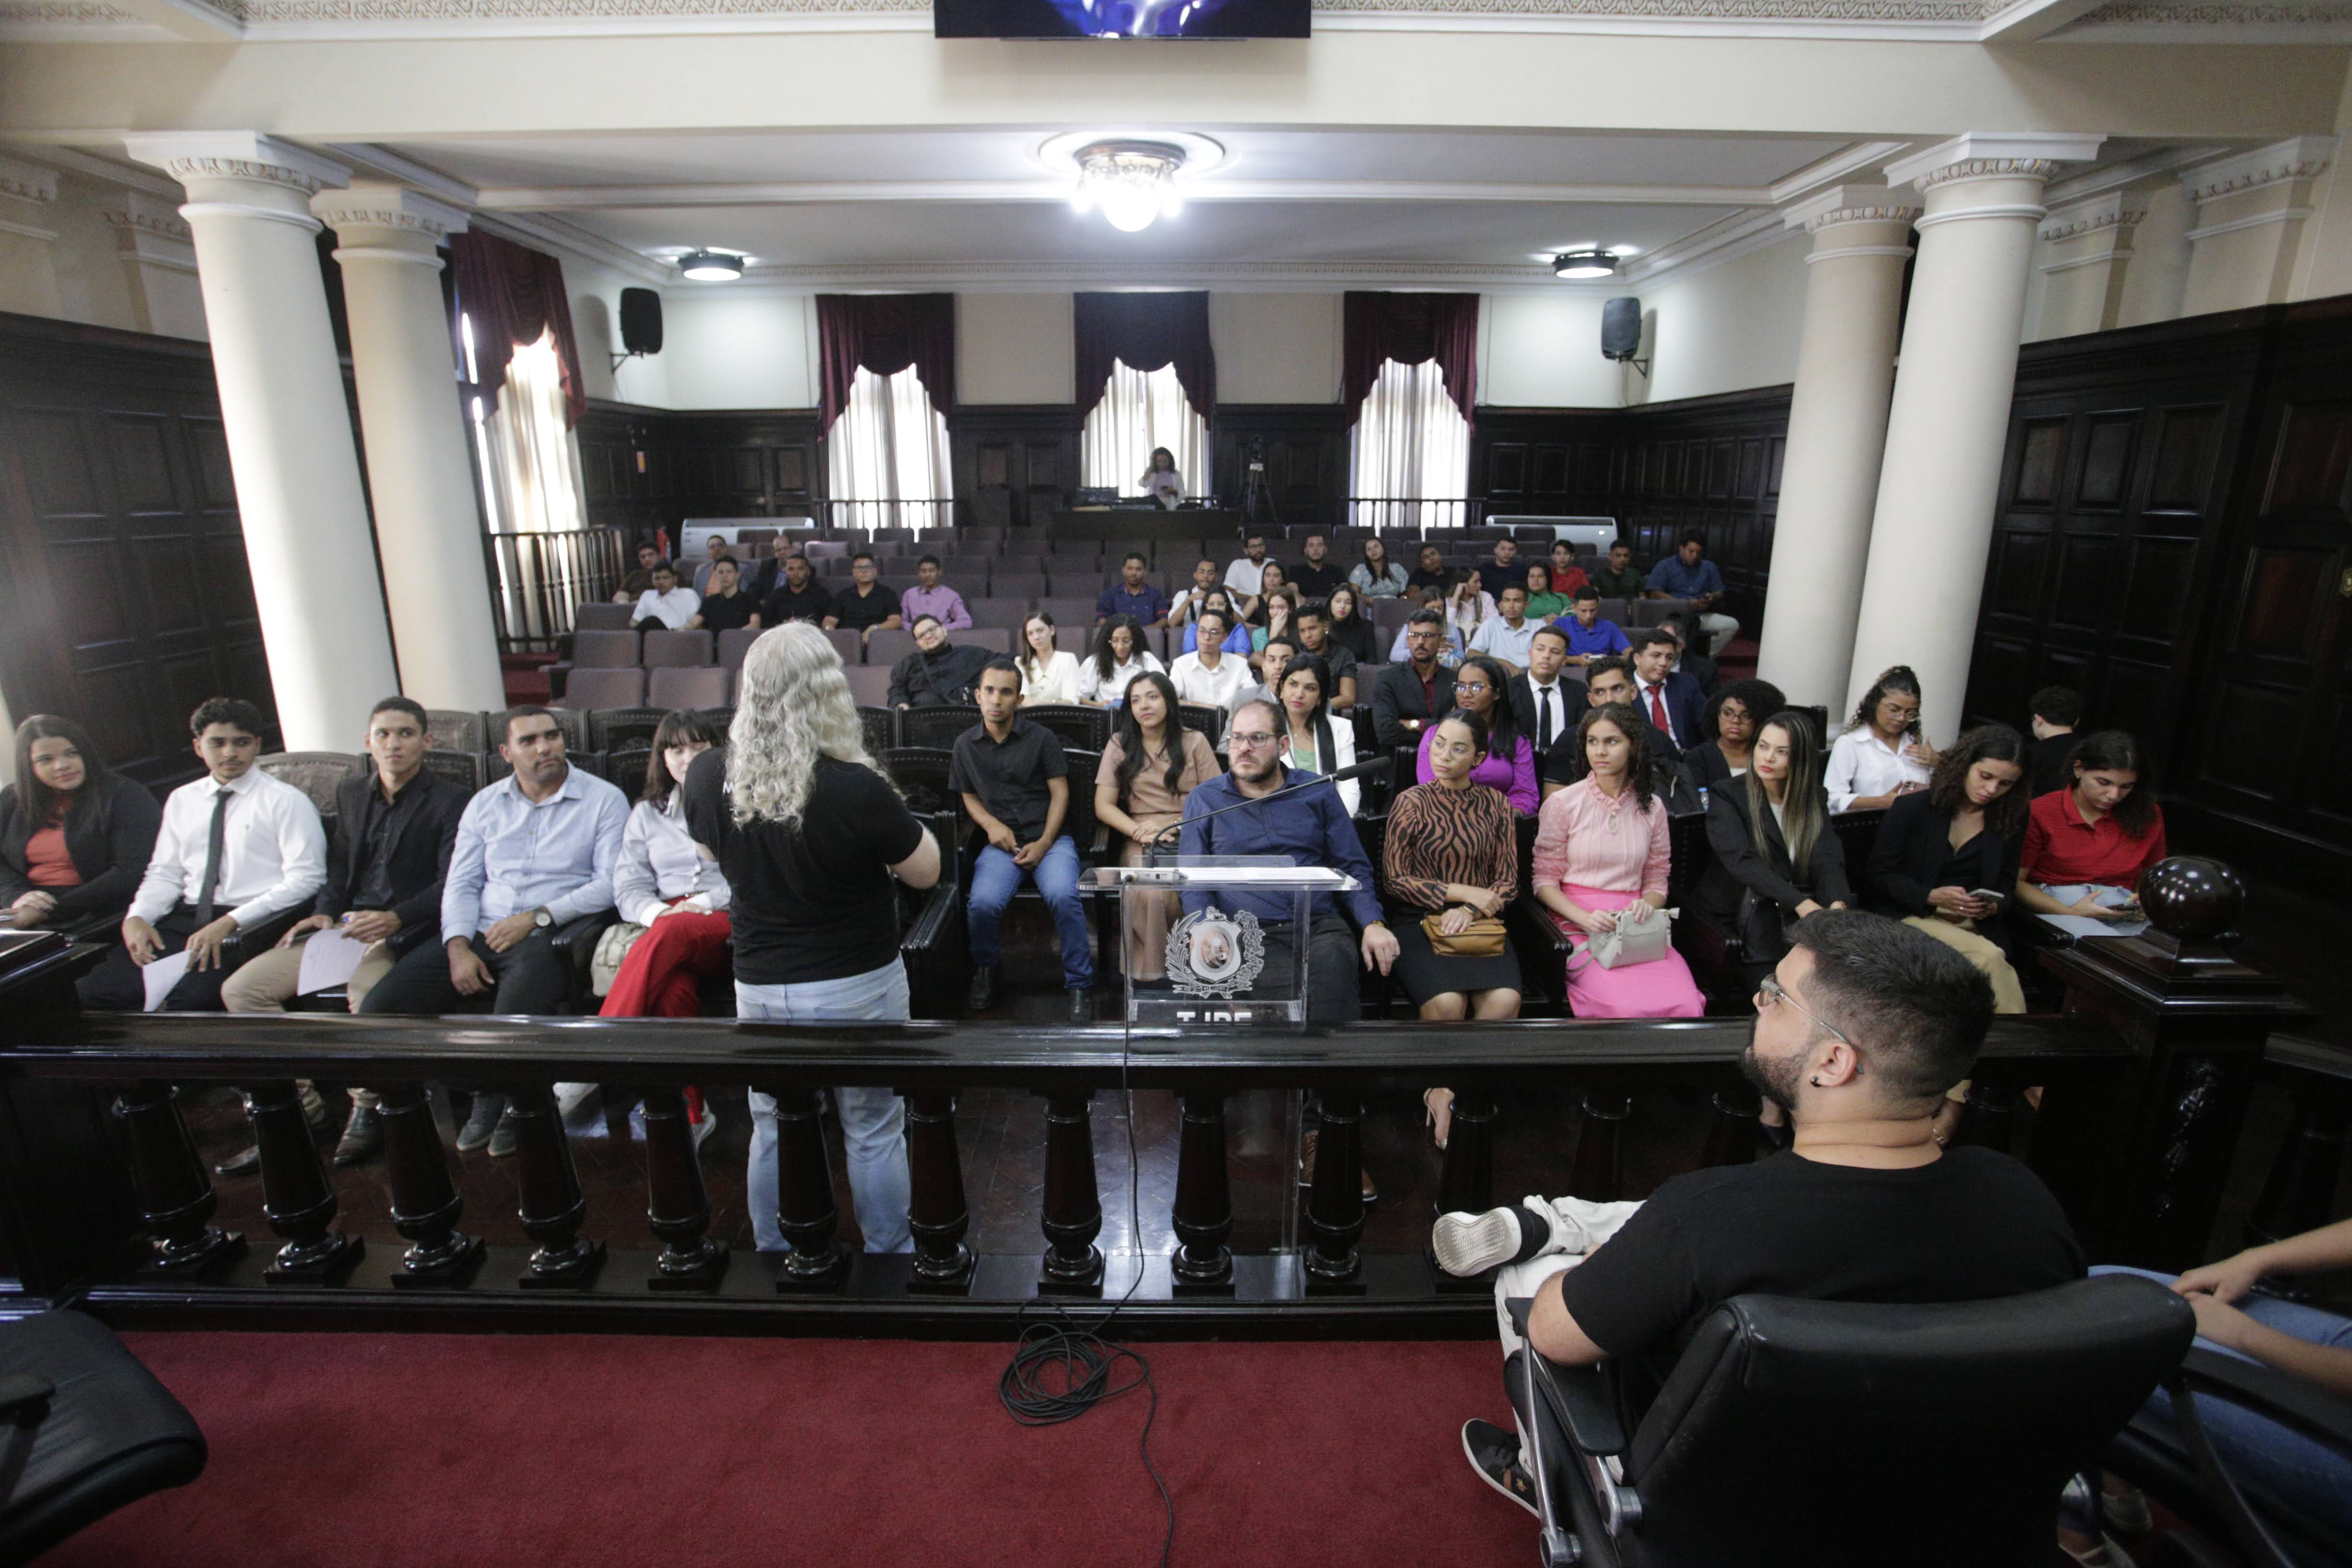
point(643, 468)
point(123, 581)
point(1306, 447)
point(1013, 466)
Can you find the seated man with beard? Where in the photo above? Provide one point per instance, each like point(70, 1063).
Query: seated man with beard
point(1858, 1032)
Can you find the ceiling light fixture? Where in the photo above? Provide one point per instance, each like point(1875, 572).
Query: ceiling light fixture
point(711, 266)
point(1132, 181)
point(1584, 264)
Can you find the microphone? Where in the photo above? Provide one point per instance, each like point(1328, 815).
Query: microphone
point(1378, 768)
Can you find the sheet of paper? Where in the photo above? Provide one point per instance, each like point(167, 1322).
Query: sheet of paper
point(162, 975)
point(328, 960)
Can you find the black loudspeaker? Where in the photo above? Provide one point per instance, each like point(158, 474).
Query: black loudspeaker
point(641, 331)
point(1621, 327)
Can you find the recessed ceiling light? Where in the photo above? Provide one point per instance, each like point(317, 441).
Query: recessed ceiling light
point(1584, 264)
point(711, 266)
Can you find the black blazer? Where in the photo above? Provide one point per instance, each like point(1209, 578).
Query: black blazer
point(1397, 695)
point(1523, 702)
point(1914, 841)
point(109, 834)
point(1708, 768)
point(1737, 867)
point(421, 846)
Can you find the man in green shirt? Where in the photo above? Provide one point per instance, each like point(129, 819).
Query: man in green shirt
point(1618, 579)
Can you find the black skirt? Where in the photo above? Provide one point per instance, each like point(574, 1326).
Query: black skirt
point(1426, 973)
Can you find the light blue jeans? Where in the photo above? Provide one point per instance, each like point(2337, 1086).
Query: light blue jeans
point(873, 1120)
point(2310, 1478)
point(995, 879)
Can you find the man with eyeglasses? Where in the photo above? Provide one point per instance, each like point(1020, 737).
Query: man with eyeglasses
point(1857, 1034)
point(1308, 826)
point(1410, 697)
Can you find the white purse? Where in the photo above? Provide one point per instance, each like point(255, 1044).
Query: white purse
point(1642, 941)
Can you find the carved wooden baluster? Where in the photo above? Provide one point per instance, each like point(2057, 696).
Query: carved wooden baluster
point(1731, 1127)
point(678, 1206)
point(1335, 1204)
point(1599, 1172)
point(175, 1196)
point(805, 1211)
point(1073, 1214)
point(1466, 1184)
point(1204, 1198)
point(296, 1195)
point(426, 1207)
point(937, 1212)
point(551, 1209)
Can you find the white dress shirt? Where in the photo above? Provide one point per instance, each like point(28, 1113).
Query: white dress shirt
point(673, 609)
point(1196, 682)
point(1563, 715)
point(1500, 638)
point(1095, 687)
point(1246, 576)
point(1861, 764)
point(1058, 682)
point(659, 863)
point(273, 851)
point(1651, 698)
point(513, 853)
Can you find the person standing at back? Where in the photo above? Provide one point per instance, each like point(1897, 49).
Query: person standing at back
point(809, 835)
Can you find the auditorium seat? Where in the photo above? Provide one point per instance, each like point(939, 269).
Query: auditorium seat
point(706, 687)
point(675, 649)
point(921, 775)
point(316, 774)
point(880, 726)
point(625, 770)
point(1388, 617)
point(600, 616)
point(886, 649)
point(825, 549)
point(995, 639)
point(846, 642)
point(736, 642)
point(1614, 611)
point(467, 770)
point(935, 728)
point(869, 684)
point(1021, 585)
point(603, 650)
point(455, 729)
point(590, 688)
point(1649, 611)
point(999, 613)
point(1070, 612)
point(618, 729)
point(1073, 724)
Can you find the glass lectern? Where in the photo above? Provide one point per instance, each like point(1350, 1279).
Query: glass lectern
point(1234, 948)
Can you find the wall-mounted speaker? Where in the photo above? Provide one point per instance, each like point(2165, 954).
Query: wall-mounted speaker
point(1621, 327)
point(641, 321)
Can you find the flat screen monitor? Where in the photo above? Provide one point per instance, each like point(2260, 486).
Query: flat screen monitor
point(1120, 19)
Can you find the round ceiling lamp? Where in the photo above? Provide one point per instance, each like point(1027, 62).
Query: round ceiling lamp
point(1584, 264)
point(1133, 182)
point(711, 266)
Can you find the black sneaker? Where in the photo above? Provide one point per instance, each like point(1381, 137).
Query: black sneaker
point(1495, 1455)
point(982, 996)
point(481, 1123)
point(1082, 1007)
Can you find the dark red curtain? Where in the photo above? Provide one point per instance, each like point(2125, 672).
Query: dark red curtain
point(1409, 329)
point(513, 295)
point(884, 333)
point(1145, 331)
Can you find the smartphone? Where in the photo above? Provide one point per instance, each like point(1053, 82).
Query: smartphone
point(1989, 895)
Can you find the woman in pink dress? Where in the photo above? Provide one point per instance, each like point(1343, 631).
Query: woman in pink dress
point(1600, 858)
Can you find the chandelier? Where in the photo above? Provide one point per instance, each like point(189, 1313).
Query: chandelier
point(1132, 181)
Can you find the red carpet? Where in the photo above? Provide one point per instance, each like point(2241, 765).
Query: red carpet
point(358, 1450)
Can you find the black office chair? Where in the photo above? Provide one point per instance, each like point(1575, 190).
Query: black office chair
point(84, 1430)
point(1822, 1434)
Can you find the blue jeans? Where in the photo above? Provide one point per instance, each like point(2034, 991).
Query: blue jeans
point(2311, 1480)
point(873, 1120)
point(995, 879)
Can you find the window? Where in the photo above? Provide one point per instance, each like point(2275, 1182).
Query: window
point(886, 456)
point(1411, 452)
point(1142, 410)
point(531, 465)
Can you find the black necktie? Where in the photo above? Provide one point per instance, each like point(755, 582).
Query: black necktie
point(214, 843)
point(1543, 718)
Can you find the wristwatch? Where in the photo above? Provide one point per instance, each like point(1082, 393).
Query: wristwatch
point(541, 918)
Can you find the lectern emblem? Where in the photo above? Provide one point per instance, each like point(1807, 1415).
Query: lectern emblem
point(1211, 953)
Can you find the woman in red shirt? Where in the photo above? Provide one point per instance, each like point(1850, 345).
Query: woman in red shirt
point(75, 838)
point(2097, 834)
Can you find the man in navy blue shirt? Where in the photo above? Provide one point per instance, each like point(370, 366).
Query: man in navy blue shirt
point(1131, 596)
point(1307, 827)
point(1688, 575)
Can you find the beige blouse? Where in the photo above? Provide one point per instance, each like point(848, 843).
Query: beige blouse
point(1148, 800)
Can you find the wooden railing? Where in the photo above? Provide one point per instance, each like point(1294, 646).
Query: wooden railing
point(871, 514)
point(1429, 513)
point(537, 580)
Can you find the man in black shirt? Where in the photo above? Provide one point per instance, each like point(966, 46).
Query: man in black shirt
point(939, 673)
point(1505, 571)
point(1858, 1033)
point(1314, 623)
point(638, 580)
point(797, 597)
point(1315, 577)
point(867, 607)
point(725, 606)
point(1015, 784)
point(1430, 575)
point(2057, 714)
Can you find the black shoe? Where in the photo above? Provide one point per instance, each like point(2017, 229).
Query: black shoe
point(362, 1136)
point(242, 1164)
point(1495, 1455)
point(481, 1123)
point(982, 996)
point(1082, 1007)
point(502, 1138)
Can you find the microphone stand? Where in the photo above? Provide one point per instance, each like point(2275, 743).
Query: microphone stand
point(1361, 770)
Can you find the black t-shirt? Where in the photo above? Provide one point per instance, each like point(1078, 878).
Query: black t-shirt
point(856, 614)
point(809, 603)
point(814, 900)
point(1316, 582)
point(1423, 579)
point(1973, 1225)
point(2046, 759)
point(732, 613)
point(1010, 778)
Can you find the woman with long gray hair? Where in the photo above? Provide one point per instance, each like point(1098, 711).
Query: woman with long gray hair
point(810, 833)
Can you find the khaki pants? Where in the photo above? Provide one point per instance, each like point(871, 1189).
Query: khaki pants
point(2007, 994)
point(264, 984)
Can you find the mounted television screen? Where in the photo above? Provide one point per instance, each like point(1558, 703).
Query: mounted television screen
point(1120, 19)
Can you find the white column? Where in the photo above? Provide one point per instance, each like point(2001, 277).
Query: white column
point(2249, 228)
point(290, 431)
point(1932, 524)
point(1837, 427)
point(28, 273)
point(427, 523)
point(2087, 257)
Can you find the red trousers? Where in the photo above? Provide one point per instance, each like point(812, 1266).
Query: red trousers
point(662, 976)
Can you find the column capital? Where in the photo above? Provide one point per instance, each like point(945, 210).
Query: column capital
point(27, 182)
point(1992, 155)
point(1849, 203)
point(371, 204)
point(246, 155)
point(2296, 158)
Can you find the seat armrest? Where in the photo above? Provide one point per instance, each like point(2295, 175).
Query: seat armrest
point(575, 945)
point(932, 921)
point(1536, 921)
point(24, 1396)
point(2277, 1396)
point(260, 939)
point(1586, 1402)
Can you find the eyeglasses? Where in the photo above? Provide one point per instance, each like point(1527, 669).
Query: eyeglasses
point(1250, 738)
point(1774, 994)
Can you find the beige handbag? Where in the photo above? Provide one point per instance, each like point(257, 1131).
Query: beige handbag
point(1482, 938)
point(604, 963)
point(1643, 943)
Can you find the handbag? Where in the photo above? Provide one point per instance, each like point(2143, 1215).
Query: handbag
point(1643, 943)
point(1762, 933)
point(612, 947)
point(1482, 938)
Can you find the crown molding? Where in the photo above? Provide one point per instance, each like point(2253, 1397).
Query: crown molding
point(1849, 203)
point(235, 155)
point(372, 204)
point(2111, 209)
point(2296, 158)
point(579, 198)
point(27, 182)
point(2148, 168)
point(1976, 154)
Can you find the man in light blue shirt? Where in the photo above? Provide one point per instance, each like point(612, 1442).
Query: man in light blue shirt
point(534, 851)
point(1686, 574)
